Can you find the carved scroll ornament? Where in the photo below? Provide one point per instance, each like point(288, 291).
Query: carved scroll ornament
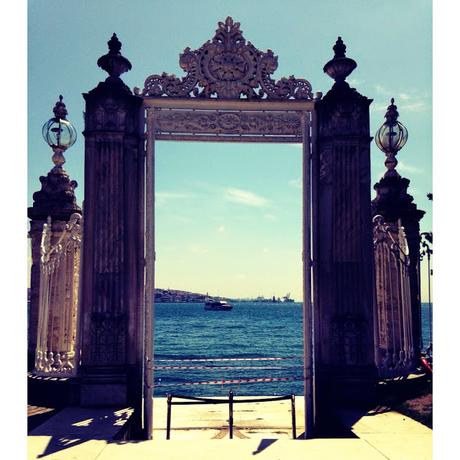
point(228, 67)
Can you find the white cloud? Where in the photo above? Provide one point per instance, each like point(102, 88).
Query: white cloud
point(197, 249)
point(270, 217)
point(380, 88)
point(265, 250)
point(379, 108)
point(415, 106)
point(405, 168)
point(406, 101)
point(168, 249)
point(181, 219)
point(164, 197)
point(296, 183)
point(171, 195)
point(355, 81)
point(245, 197)
point(221, 229)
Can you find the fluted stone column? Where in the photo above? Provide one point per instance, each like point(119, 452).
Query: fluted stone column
point(113, 258)
point(344, 323)
point(56, 199)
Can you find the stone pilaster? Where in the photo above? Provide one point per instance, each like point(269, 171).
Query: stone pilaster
point(56, 199)
point(344, 323)
point(112, 275)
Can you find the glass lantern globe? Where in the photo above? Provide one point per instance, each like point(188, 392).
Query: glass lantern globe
point(391, 137)
point(59, 133)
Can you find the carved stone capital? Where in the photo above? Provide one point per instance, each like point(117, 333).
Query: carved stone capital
point(343, 112)
point(392, 200)
point(56, 197)
point(111, 109)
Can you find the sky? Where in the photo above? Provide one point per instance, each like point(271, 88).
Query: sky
point(228, 217)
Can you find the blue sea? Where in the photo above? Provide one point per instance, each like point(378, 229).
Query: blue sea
point(193, 346)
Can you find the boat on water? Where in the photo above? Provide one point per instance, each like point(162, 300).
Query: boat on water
point(217, 305)
point(287, 298)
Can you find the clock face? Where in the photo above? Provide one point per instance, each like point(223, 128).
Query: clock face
point(228, 67)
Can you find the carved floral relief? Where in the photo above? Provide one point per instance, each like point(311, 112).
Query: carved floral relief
point(227, 67)
point(217, 122)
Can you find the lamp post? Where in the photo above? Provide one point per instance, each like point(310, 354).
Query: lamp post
point(56, 200)
point(390, 138)
point(397, 207)
point(59, 134)
point(426, 242)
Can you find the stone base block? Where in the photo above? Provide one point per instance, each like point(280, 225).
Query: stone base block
point(103, 394)
point(356, 387)
point(52, 391)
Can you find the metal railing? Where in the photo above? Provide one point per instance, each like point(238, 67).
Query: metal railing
point(394, 348)
point(193, 400)
point(56, 352)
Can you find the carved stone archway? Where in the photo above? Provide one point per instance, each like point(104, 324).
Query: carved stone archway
point(228, 95)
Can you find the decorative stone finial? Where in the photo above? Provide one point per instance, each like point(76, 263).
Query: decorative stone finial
point(113, 62)
point(60, 110)
point(229, 25)
point(392, 114)
point(339, 48)
point(114, 45)
point(340, 66)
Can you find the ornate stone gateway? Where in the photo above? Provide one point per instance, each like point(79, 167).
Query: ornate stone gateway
point(227, 95)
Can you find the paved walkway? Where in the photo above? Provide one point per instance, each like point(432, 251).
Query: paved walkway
point(200, 432)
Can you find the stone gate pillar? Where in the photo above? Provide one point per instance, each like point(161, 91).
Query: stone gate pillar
point(344, 323)
point(56, 199)
point(395, 205)
point(113, 250)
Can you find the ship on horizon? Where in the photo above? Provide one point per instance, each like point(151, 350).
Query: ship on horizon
point(287, 298)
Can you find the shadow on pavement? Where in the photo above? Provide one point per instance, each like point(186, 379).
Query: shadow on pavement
point(264, 443)
point(72, 427)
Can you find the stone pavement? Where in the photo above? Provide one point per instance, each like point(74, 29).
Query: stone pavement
point(200, 432)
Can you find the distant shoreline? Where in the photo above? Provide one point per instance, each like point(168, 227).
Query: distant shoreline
point(178, 296)
point(230, 300)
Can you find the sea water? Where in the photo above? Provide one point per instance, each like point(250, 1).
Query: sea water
point(194, 345)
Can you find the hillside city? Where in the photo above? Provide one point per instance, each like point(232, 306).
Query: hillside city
point(174, 295)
